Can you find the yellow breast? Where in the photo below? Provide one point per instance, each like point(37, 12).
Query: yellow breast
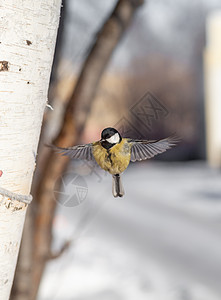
point(116, 159)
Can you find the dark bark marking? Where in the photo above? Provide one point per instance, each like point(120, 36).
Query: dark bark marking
point(28, 42)
point(4, 66)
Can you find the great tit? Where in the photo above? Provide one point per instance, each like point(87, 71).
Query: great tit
point(114, 153)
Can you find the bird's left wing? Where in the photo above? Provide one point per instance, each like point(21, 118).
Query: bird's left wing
point(77, 152)
point(142, 150)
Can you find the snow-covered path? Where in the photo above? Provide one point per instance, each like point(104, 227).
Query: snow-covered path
point(161, 241)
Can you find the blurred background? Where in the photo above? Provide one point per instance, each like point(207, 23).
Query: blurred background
point(149, 69)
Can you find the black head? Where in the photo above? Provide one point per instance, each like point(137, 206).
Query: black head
point(110, 137)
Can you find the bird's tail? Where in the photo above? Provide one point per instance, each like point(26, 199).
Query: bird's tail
point(117, 187)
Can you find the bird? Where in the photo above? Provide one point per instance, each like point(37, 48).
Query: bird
point(114, 153)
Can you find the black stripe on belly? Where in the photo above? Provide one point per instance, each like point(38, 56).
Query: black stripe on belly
point(109, 157)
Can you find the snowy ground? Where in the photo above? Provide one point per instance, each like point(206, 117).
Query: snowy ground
point(160, 242)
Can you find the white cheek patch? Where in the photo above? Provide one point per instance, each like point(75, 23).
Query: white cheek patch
point(114, 139)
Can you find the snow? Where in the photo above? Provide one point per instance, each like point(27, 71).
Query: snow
point(161, 241)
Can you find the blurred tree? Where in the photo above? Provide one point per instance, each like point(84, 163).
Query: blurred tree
point(73, 125)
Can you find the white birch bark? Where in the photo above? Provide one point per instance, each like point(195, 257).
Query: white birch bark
point(28, 31)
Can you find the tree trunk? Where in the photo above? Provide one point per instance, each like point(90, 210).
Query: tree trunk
point(75, 118)
point(23, 273)
point(27, 39)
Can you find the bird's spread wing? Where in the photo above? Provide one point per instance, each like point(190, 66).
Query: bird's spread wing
point(142, 150)
point(77, 152)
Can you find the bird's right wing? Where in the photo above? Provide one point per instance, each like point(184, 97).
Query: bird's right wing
point(142, 150)
point(76, 152)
